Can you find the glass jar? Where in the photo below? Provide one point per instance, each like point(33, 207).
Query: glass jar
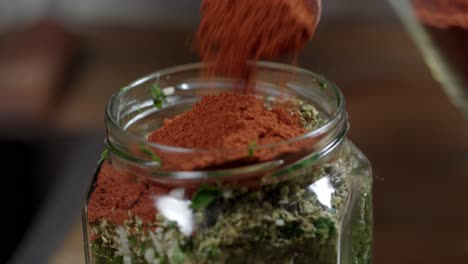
point(440, 30)
point(308, 206)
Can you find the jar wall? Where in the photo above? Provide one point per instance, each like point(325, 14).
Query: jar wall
point(357, 222)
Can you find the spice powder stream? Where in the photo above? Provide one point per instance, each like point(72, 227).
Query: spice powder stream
point(232, 32)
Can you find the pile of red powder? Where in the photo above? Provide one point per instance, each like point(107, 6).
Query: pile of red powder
point(118, 193)
point(228, 120)
point(227, 125)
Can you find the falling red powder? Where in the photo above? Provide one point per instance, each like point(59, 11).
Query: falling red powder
point(232, 32)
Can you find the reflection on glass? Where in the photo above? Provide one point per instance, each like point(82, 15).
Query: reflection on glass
point(324, 190)
point(174, 208)
point(440, 29)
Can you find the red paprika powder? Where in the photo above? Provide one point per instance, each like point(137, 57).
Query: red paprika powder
point(118, 193)
point(232, 32)
point(228, 120)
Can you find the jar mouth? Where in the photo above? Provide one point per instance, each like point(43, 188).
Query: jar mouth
point(332, 121)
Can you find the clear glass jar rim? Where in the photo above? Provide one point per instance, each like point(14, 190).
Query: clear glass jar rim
point(331, 122)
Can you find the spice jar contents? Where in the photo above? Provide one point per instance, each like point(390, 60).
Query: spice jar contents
point(133, 220)
point(232, 32)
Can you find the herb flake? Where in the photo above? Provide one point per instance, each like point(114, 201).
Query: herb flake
point(150, 154)
point(324, 228)
point(104, 155)
point(158, 95)
point(251, 148)
point(204, 196)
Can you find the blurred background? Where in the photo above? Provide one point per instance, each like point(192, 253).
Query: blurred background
point(60, 60)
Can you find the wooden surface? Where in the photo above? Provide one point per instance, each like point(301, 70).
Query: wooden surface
point(415, 139)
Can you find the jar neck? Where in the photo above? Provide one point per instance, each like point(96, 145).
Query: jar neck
point(131, 115)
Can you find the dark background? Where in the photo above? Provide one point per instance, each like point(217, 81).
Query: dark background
point(61, 60)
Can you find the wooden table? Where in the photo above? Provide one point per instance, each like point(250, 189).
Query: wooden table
point(415, 139)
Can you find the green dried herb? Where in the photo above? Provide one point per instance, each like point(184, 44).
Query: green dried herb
point(322, 85)
point(178, 257)
point(291, 230)
point(150, 154)
point(204, 196)
point(172, 224)
point(158, 95)
point(163, 260)
point(324, 228)
point(310, 117)
point(104, 155)
point(251, 148)
point(103, 254)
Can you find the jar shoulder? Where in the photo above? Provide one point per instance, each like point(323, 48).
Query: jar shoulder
point(358, 160)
